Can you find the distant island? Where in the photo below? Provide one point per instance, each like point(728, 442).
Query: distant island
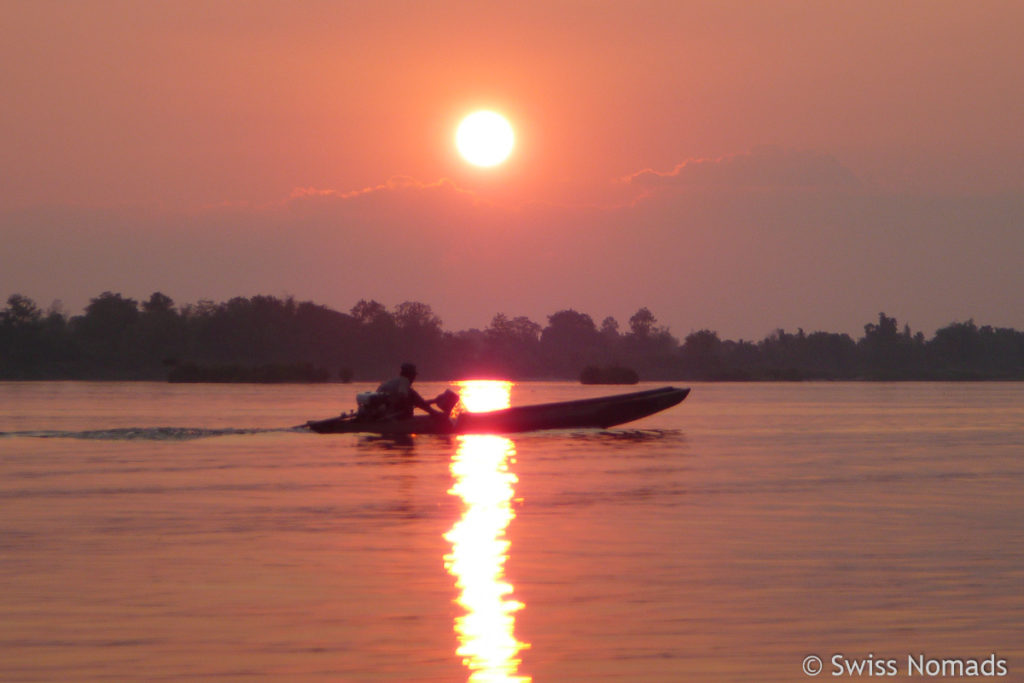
point(271, 339)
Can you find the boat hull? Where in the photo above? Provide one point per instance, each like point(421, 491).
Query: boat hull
point(600, 413)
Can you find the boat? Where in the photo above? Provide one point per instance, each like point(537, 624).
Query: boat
point(600, 413)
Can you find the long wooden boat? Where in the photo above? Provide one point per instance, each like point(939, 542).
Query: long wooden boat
point(603, 412)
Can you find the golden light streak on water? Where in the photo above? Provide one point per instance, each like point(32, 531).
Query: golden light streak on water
point(484, 395)
point(480, 467)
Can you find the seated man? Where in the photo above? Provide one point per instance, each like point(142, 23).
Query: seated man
point(401, 397)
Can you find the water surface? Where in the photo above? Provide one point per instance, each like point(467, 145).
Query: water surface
point(184, 532)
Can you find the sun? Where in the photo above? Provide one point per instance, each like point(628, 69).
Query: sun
point(485, 138)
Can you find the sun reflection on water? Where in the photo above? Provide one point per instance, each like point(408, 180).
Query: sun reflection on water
point(483, 395)
point(480, 468)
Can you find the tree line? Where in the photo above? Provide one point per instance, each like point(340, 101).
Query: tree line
point(267, 338)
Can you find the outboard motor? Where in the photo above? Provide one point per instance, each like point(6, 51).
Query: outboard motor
point(447, 401)
point(371, 405)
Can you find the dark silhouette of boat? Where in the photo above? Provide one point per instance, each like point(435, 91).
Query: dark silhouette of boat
point(601, 413)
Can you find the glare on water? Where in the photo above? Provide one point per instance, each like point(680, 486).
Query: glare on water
point(484, 395)
point(483, 482)
point(486, 486)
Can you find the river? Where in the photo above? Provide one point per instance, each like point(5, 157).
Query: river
point(190, 532)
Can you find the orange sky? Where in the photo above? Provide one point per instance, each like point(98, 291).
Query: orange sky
point(809, 164)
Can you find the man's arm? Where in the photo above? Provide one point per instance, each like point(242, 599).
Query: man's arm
point(418, 401)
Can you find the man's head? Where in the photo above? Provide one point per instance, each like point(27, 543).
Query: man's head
point(408, 371)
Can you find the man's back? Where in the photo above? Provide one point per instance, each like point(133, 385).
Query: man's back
point(400, 396)
point(396, 386)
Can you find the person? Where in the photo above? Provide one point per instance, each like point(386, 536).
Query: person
point(401, 397)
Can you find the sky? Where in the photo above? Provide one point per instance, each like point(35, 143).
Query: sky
point(733, 166)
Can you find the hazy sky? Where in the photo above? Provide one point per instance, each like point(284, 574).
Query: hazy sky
point(738, 166)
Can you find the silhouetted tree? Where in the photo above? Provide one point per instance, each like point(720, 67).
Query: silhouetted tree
point(570, 342)
point(463, 355)
point(377, 340)
point(701, 355)
point(107, 335)
point(327, 338)
point(20, 335)
point(610, 330)
point(511, 347)
point(886, 352)
point(21, 311)
point(418, 335)
point(641, 323)
point(415, 315)
point(371, 312)
point(160, 334)
point(649, 349)
point(827, 355)
point(265, 338)
point(818, 355)
point(741, 360)
point(158, 304)
point(963, 351)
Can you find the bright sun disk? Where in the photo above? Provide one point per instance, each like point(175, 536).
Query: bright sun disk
point(485, 138)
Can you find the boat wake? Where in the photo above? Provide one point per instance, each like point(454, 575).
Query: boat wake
point(141, 433)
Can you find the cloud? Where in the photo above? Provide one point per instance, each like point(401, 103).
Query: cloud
point(403, 207)
point(697, 247)
point(764, 168)
point(397, 185)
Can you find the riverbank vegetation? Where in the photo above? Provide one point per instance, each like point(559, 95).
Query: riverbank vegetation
point(266, 338)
